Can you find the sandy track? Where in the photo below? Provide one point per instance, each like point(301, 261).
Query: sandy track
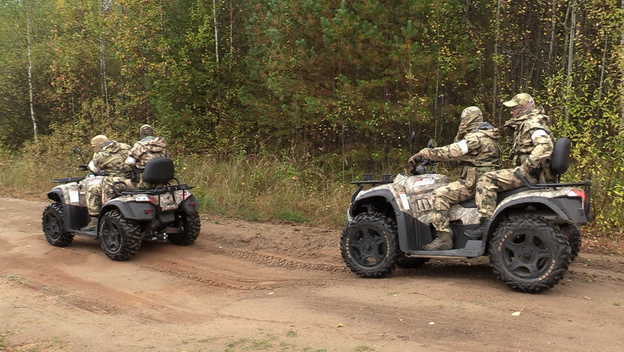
point(282, 287)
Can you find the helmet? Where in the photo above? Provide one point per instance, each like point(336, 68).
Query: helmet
point(98, 141)
point(146, 130)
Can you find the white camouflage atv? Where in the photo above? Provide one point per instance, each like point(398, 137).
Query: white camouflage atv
point(531, 239)
point(168, 212)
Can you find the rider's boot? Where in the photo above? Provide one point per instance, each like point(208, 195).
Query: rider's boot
point(477, 233)
point(442, 242)
point(91, 225)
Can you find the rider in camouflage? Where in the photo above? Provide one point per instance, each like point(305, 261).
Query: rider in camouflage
point(149, 147)
point(477, 150)
point(532, 145)
point(108, 158)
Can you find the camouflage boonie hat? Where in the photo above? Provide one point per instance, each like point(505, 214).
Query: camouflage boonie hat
point(98, 141)
point(519, 99)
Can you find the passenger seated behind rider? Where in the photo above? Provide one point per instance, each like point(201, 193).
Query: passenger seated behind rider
point(532, 147)
point(108, 158)
point(477, 150)
point(149, 147)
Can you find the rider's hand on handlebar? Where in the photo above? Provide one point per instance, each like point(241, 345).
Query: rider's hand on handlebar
point(415, 159)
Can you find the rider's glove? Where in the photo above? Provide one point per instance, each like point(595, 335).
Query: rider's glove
point(530, 171)
point(418, 157)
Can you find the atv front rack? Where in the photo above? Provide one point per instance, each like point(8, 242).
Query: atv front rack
point(368, 180)
point(69, 179)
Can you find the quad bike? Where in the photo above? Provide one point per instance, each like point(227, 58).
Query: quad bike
point(168, 212)
point(531, 239)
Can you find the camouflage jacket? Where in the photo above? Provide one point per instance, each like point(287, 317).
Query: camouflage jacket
point(532, 139)
point(148, 148)
point(477, 153)
point(111, 159)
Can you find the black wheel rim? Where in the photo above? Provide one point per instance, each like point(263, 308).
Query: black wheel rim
point(111, 236)
point(526, 255)
point(368, 247)
point(52, 225)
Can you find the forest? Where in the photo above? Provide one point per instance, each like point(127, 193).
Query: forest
point(333, 86)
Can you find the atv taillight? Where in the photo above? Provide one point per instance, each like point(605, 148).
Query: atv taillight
point(153, 200)
point(577, 193)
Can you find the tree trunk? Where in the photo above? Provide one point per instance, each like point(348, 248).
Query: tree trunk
point(495, 83)
point(30, 79)
point(568, 89)
point(216, 28)
point(232, 34)
point(622, 78)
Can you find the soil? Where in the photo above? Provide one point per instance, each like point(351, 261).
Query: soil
point(247, 286)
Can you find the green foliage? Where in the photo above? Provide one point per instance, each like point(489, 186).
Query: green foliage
point(335, 86)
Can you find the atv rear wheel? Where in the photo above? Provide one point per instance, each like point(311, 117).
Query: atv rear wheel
point(369, 245)
point(53, 226)
point(191, 225)
point(120, 239)
point(529, 254)
point(573, 235)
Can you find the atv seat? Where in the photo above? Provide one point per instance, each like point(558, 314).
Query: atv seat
point(471, 203)
point(560, 158)
point(158, 171)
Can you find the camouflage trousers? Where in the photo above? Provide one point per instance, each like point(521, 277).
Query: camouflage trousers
point(444, 197)
point(493, 182)
point(100, 191)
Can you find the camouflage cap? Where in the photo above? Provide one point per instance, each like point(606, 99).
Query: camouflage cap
point(146, 130)
point(98, 141)
point(519, 99)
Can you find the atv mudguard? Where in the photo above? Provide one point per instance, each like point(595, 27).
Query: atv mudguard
point(558, 208)
point(145, 211)
point(74, 217)
point(190, 205)
point(412, 233)
point(140, 211)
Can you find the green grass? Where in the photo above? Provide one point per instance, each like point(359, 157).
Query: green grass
point(256, 188)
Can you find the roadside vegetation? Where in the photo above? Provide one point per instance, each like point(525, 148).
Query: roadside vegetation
point(271, 108)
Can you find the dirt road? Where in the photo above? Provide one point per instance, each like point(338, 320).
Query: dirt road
point(280, 287)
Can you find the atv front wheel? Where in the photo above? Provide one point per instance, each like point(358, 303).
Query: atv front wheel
point(369, 245)
point(54, 227)
point(191, 225)
point(573, 235)
point(119, 238)
point(529, 254)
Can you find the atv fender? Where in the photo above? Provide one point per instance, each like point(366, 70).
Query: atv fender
point(558, 210)
point(74, 217)
point(56, 195)
point(190, 205)
point(410, 231)
point(141, 211)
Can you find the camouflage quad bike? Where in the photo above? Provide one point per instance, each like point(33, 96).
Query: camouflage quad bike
point(531, 239)
point(168, 212)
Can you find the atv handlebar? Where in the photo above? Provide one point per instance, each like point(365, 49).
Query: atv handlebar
point(420, 167)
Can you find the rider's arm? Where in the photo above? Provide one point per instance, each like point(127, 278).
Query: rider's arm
point(455, 150)
point(543, 148)
point(93, 168)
